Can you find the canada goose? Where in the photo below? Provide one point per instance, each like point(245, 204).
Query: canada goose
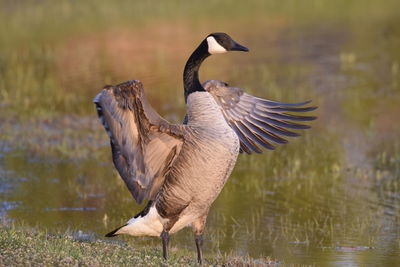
point(182, 168)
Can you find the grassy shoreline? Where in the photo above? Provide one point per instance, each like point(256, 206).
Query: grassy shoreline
point(23, 246)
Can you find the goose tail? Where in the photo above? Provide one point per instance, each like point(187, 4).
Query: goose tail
point(146, 223)
point(115, 231)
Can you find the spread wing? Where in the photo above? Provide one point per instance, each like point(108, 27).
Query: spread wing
point(143, 144)
point(258, 122)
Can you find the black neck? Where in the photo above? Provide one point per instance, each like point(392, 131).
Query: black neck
point(191, 81)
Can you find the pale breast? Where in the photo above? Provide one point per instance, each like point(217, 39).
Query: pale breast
point(208, 130)
point(209, 153)
point(206, 160)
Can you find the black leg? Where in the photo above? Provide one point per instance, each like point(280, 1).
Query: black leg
point(198, 228)
point(199, 243)
point(165, 240)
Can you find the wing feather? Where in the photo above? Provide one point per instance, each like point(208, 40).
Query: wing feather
point(283, 123)
point(266, 135)
point(245, 144)
point(143, 144)
point(254, 135)
point(258, 122)
point(272, 128)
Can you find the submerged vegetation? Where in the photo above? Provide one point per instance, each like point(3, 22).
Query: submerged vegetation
point(330, 197)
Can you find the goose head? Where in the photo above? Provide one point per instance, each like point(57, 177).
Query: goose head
point(220, 42)
point(214, 43)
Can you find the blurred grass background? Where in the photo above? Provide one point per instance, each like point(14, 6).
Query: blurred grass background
point(56, 55)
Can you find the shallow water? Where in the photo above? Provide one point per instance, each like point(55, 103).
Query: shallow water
point(329, 198)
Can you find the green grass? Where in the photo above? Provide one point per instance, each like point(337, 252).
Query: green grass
point(20, 246)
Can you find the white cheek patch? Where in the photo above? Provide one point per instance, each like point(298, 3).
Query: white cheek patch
point(214, 47)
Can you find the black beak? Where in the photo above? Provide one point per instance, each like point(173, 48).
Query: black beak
point(238, 47)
